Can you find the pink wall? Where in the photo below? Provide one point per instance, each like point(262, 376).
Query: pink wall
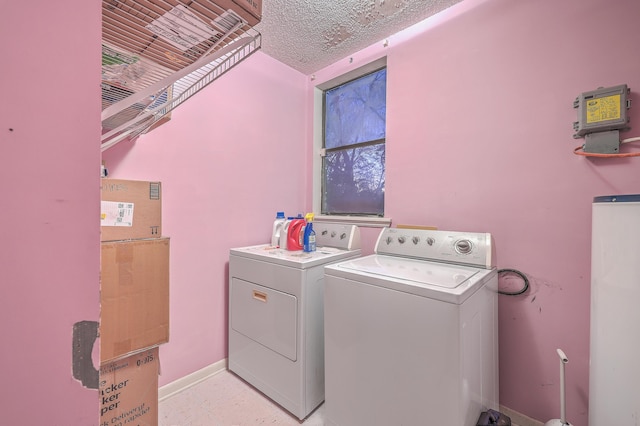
point(229, 159)
point(49, 181)
point(480, 138)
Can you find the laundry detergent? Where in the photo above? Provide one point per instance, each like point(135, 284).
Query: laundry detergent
point(295, 234)
point(277, 234)
point(284, 234)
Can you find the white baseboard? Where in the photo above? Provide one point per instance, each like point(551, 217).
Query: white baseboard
point(518, 418)
point(186, 382)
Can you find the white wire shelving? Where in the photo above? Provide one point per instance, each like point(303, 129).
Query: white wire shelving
point(156, 54)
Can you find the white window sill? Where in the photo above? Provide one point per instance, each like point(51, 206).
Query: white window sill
point(368, 222)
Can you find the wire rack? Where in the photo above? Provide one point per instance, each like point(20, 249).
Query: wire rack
point(156, 54)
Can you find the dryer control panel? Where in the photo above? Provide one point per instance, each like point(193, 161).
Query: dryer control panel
point(465, 248)
point(346, 237)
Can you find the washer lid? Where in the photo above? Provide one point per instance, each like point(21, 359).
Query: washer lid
point(417, 271)
point(447, 282)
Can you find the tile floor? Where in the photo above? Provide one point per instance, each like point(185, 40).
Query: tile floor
point(226, 400)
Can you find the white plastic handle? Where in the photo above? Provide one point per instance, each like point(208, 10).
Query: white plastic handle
point(562, 356)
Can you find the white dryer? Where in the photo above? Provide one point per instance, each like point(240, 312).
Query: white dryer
point(411, 332)
point(276, 309)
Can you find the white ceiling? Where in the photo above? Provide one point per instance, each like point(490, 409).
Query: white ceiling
point(308, 35)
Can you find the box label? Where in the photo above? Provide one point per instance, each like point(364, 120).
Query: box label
point(115, 213)
point(603, 109)
point(181, 28)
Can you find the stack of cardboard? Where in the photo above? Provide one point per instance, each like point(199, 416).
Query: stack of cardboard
point(134, 293)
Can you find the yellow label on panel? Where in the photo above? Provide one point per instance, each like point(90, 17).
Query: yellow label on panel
point(603, 109)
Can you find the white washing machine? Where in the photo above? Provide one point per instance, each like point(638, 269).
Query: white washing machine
point(276, 310)
point(411, 332)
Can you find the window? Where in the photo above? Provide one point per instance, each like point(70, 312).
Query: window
point(354, 132)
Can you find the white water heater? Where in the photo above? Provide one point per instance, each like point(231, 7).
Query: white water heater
point(614, 373)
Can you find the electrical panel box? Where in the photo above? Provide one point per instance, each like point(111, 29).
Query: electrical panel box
point(602, 110)
point(602, 114)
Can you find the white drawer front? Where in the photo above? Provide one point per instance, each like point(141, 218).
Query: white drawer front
point(264, 315)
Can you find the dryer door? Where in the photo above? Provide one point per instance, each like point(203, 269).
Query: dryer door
point(264, 315)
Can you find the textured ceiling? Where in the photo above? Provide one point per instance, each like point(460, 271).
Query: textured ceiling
point(308, 35)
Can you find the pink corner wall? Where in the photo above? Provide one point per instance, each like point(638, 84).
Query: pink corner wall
point(479, 124)
point(49, 181)
point(479, 138)
point(229, 159)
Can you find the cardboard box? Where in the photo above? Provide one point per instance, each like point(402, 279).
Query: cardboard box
point(134, 296)
point(130, 209)
point(249, 10)
point(140, 27)
point(253, 7)
point(128, 390)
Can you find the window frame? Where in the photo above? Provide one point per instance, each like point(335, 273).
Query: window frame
point(319, 152)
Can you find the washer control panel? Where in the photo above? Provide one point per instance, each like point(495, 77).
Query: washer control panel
point(469, 248)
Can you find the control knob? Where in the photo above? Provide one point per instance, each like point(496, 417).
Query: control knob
point(463, 246)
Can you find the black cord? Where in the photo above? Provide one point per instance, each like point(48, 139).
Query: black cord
point(521, 275)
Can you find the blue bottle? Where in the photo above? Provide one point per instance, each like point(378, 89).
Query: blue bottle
point(309, 240)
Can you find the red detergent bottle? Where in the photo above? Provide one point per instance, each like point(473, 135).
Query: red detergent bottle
point(295, 233)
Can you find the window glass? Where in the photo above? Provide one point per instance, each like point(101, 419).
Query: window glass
point(354, 141)
point(355, 112)
point(354, 179)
